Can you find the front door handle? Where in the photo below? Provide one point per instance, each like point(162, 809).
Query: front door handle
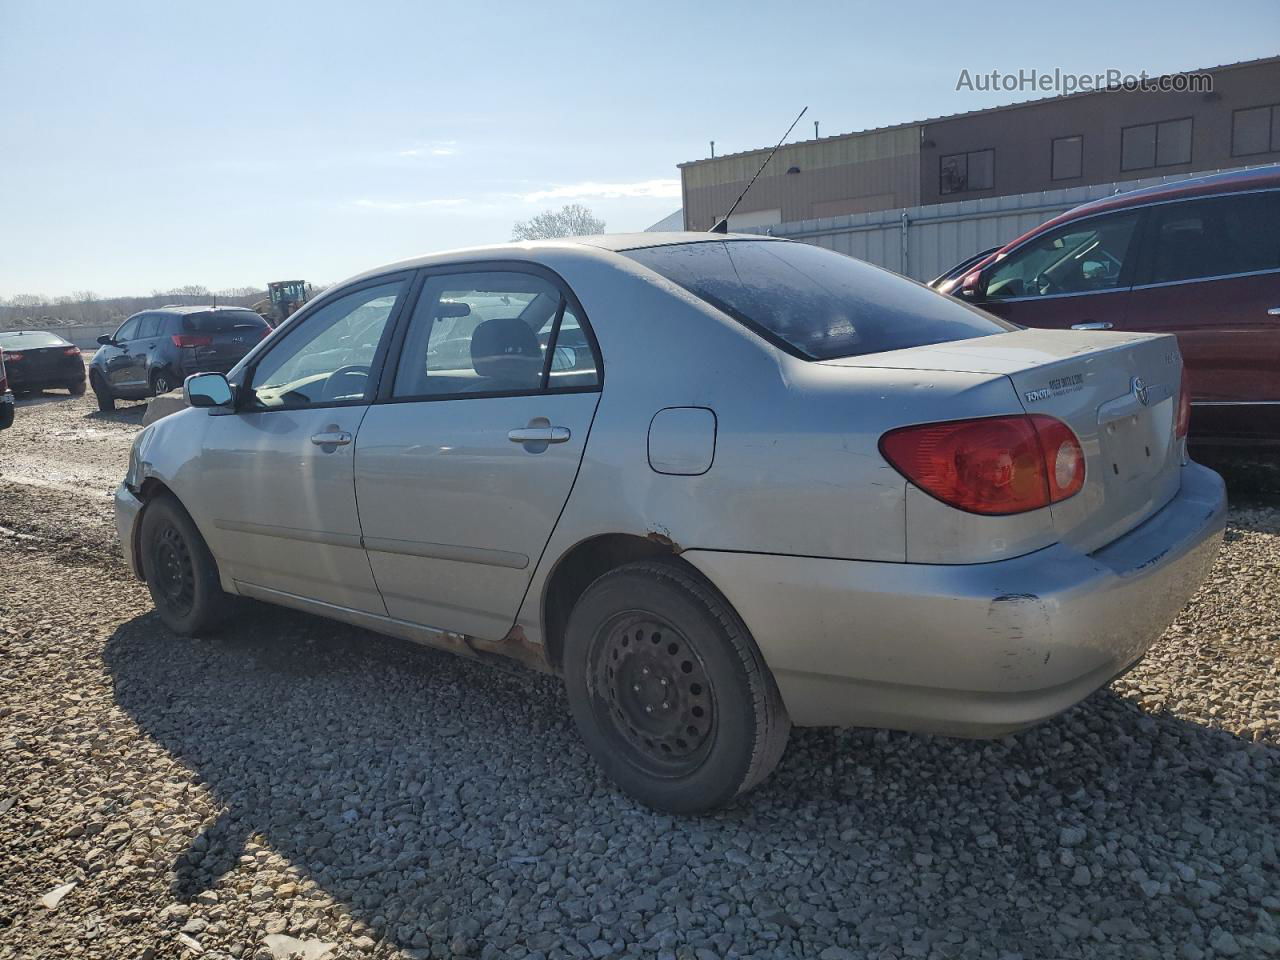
point(1092, 325)
point(332, 438)
point(539, 435)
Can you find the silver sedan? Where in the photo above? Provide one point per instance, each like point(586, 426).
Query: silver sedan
point(722, 485)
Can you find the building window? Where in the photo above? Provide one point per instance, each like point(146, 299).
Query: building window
point(959, 172)
point(1067, 158)
point(1255, 130)
point(1163, 144)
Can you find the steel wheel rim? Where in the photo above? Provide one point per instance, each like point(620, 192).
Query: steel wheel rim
point(653, 695)
point(174, 571)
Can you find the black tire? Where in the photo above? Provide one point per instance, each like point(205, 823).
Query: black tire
point(161, 382)
point(76, 389)
point(179, 569)
point(669, 691)
point(106, 401)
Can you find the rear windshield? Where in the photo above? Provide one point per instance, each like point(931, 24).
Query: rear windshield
point(813, 302)
point(222, 322)
point(30, 341)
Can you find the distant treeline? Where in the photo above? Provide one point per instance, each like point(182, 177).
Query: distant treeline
point(33, 309)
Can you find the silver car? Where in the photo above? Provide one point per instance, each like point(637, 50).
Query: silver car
point(721, 485)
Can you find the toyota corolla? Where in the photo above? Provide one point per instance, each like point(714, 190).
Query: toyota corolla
point(721, 485)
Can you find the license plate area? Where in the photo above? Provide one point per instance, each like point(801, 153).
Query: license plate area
point(1130, 448)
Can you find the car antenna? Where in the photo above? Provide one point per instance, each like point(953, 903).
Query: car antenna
point(722, 225)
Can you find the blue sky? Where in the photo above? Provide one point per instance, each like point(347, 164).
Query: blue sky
point(148, 145)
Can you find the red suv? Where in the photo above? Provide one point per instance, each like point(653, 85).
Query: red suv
point(1198, 258)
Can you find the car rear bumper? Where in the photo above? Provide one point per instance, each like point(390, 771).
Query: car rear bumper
point(128, 510)
point(972, 649)
point(61, 375)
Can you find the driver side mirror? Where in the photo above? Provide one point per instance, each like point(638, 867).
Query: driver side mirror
point(106, 340)
point(971, 286)
point(207, 390)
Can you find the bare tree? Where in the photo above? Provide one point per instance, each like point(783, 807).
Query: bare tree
point(573, 220)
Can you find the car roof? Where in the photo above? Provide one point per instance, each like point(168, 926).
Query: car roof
point(19, 333)
point(1233, 181)
point(186, 310)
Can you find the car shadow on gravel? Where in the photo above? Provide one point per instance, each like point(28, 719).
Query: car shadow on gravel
point(434, 798)
point(132, 415)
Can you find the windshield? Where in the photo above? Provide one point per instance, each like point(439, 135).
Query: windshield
point(813, 302)
point(14, 342)
point(222, 322)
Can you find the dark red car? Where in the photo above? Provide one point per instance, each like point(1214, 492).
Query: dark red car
point(6, 397)
point(1199, 258)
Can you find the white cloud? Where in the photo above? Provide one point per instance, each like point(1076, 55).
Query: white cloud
point(440, 148)
point(646, 189)
point(398, 205)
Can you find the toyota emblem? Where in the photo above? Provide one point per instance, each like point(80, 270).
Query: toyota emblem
point(1140, 391)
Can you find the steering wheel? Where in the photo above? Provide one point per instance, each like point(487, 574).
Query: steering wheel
point(337, 386)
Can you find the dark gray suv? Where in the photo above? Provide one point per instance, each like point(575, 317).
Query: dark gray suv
point(153, 352)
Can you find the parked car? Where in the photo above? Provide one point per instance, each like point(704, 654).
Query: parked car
point(1198, 258)
point(154, 351)
point(766, 485)
point(39, 360)
point(6, 397)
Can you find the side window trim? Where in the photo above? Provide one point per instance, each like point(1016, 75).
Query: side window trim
point(568, 300)
point(299, 320)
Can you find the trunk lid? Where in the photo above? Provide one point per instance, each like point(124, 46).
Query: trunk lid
point(1117, 391)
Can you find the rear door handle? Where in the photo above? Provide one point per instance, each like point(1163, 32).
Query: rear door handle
point(1092, 325)
point(333, 438)
point(539, 435)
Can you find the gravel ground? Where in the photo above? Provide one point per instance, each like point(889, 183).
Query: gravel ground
point(297, 785)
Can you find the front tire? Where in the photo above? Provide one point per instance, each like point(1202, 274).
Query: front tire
point(179, 569)
point(669, 691)
point(106, 402)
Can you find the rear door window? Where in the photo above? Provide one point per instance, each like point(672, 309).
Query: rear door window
point(815, 303)
point(1214, 237)
point(148, 326)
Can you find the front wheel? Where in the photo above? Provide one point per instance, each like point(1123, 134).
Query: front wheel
point(179, 569)
point(106, 402)
point(669, 691)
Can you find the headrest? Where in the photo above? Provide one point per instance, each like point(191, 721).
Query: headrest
point(506, 349)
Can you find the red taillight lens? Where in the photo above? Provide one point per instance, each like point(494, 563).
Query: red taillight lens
point(72, 351)
point(1182, 424)
point(14, 357)
point(992, 465)
point(187, 340)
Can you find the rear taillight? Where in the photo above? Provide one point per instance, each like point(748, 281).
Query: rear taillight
point(14, 357)
point(992, 465)
point(187, 340)
point(72, 351)
point(1182, 423)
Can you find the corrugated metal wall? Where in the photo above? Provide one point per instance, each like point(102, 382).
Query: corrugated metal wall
point(922, 242)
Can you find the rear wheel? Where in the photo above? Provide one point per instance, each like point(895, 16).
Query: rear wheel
point(76, 389)
point(179, 569)
point(100, 390)
point(161, 382)
point(669, 691)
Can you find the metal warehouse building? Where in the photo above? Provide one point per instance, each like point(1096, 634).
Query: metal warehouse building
point(1042, 145)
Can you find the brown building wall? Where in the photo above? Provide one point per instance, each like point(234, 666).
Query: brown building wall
point(839, 175)
point(1022, 136)
point(899, 166)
